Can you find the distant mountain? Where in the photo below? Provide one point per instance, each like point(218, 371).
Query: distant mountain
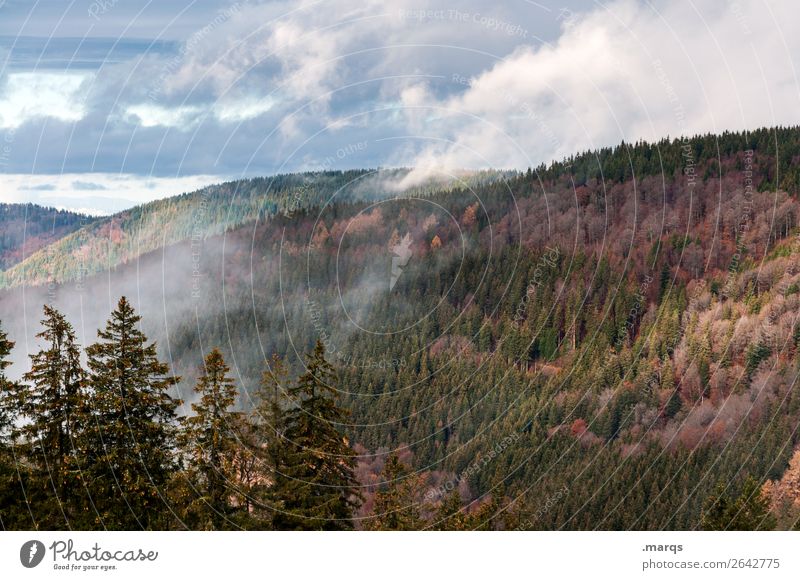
point(26, 228)
point(107, 242)
point(608, 337)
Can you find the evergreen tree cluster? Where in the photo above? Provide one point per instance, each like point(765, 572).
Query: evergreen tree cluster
point(102, 446)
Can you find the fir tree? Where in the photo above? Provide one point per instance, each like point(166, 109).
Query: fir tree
point(492, 514)
point(130, 446)
point(7, 404)
point(395, 506)
point(749, 511)
point(9, 490)
point(267, 443)
point(50, 402)
point(450, 516)
point(211, 442)
point(321, 490)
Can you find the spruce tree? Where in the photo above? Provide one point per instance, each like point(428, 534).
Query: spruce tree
point(267, 444)
point(395, 505)
point(50, 402)
point(450, 516)
point(748, 512)
point(7, 403)
point(131, 441)
point(321, 489)
point(211, 441)
point(9, 489)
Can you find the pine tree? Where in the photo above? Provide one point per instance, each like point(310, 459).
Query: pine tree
point(749, 511)
point(50, 402)
point(130, 445)
point(395, 506)
point(450, 516)
point(674, 402)
point(321, 491)
point(10, 514)
point(211, 442)
point(7, 403)
point(267, 443)
point(491, 514)
point(715, 515)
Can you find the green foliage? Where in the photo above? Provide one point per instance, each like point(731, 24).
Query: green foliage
point(755, 355)
point(451, 515)
point(749, 511)
point(128, 451)
point(317, 488)
point(48, 405)
point(31, 225)
point(576, 357)
point(396, 505)
point(11, 516)
point(266, 443)
point(210, 441)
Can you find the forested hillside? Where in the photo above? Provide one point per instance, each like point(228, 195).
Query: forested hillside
point(598, 344)
point(110, 241)
point(26, 228)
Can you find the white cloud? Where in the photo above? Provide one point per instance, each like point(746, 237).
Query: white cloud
point(151, 115)
point(186, 117)
point(108, 193)
point(236, 111)
point(34, 95)
point(311, 78)
point(626, 71)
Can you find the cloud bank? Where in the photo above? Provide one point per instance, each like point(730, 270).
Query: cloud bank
point(258, 88)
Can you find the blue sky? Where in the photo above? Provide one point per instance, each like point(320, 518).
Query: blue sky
point(106, 103)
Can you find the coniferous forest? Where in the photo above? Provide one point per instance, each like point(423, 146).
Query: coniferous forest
point(608, 342)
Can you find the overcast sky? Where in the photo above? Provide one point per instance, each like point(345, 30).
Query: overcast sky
point(106, 103)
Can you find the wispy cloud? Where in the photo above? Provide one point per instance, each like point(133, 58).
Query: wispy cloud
point(287, 85)
point(108, 192)
point(187, 117)
point(38, 95)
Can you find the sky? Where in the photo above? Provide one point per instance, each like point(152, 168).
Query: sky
point(108, 103)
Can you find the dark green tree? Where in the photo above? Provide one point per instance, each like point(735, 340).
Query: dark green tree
point(450, 516)
point(267, 428)
point(7, 401)
point(321, 490)
point(395, 506)
point(130, 447)
point(748, 512)
point(49, 402)
point(11, 512)
point(211, 441)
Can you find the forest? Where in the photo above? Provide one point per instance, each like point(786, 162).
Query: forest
point(609, 342)
point(28, 227)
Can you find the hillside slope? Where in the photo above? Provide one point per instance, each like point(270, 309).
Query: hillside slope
point(27, 228)
point(604, 339)
point(108, 242)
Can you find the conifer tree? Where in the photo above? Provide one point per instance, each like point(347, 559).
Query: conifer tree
point(749, 511)
point(267, 444)
point(6, 394)
point(450, 516)
point(130, 445)
point(50, 402)
point(9, 496)
point(321, 490)
point(491, 514)
point(395, 506)
point(211, 442)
